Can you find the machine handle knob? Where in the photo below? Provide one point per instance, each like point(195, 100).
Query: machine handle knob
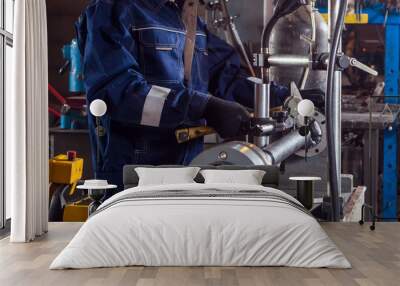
point(320, 62)
point(357, 64)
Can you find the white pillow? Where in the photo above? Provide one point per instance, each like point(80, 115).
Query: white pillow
point(245, 177)
point(166, 176)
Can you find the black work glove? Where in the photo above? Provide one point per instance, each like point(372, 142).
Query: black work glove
point(228, 118)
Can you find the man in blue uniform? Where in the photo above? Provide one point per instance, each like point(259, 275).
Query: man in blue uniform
point(133, 60)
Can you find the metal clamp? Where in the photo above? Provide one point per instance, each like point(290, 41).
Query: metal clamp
point(321, 61)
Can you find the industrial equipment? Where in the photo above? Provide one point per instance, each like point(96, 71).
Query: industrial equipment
point(308, 35)
point(223, 20)
point(308, 64)
point(67, 203)
point(305, 135)
point(371, 127)
point(73, 58)
point(72, 110)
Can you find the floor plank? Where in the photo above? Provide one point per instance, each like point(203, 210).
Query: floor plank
point(375, 257)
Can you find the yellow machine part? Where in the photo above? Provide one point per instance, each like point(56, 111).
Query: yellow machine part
point(75, 213)
point(65, 172)
point(352, 18)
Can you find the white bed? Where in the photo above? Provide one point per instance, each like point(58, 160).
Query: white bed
point(139, 227)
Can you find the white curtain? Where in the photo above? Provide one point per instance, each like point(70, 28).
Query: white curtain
point(27, 124)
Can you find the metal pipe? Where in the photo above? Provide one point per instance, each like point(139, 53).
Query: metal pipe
point(241, 48)
point(337, 12)
point(288, 60)
point(268, 10)
point(233, 36)
point(288, 145)
point(261, 108)
point(337, 91)
point(266, 129)
point(265, 71)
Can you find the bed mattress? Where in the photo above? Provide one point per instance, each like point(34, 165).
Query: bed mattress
point(201, 225)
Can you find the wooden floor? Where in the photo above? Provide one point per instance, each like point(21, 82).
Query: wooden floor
point(375, 257)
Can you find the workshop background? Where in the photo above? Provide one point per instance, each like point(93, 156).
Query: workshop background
point(61, 18)
point(370, 137)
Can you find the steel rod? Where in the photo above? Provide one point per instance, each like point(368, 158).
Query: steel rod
point(289, 60)
point(337, 91)
point(337, 11)
point(261, 109)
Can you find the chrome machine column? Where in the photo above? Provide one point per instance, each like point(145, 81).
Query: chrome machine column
point(261, 108)
point(268, 8)
point(333, 10)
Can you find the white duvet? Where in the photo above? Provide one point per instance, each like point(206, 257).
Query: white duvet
point(200, 232)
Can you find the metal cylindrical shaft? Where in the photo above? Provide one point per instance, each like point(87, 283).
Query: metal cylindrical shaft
point(283, 148)
point(288, 60)
point(261, 108)
point(267, 129)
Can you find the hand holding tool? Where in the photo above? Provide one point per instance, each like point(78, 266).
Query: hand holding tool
point(226, 117)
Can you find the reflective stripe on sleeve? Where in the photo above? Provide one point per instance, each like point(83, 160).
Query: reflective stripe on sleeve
point(154, 105)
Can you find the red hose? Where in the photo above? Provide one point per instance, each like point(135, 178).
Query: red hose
point(55, 112)
point(57, 95)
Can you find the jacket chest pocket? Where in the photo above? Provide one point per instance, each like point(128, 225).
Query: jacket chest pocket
point(160, 56)
point(201, 59)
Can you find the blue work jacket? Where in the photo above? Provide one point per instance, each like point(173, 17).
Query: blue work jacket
point(133, 60)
